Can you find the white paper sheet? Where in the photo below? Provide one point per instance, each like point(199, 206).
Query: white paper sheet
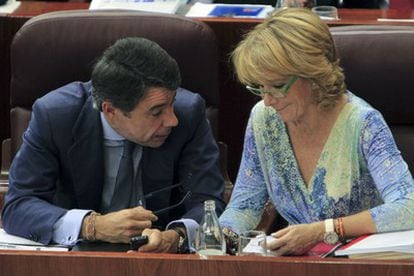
point(11, 242)
point(394, 241)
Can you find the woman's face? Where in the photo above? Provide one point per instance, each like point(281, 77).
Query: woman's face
point(294, 105)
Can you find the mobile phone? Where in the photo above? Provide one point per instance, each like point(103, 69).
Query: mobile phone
point(138, 241)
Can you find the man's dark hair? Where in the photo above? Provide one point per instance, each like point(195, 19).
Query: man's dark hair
point(127, 69)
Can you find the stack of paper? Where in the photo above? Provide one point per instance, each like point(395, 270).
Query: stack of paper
point(11, 242)
point(400, 243)
point(229, 10)
point(162, 6)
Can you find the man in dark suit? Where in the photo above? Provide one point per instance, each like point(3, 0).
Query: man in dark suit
point(69, 182)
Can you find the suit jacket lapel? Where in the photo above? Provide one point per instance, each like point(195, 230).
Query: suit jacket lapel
point(86, 157)
point(157, 173)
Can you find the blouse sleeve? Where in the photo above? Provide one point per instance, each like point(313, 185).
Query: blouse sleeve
point(249, 195)
point(391, 176)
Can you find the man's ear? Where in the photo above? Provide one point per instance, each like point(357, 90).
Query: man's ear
point(108, 110)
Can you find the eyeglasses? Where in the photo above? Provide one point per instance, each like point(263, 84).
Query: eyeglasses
point(168, 208)
point(275, 92)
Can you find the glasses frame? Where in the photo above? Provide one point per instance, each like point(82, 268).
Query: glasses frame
point(185, 197)
point(274, 92)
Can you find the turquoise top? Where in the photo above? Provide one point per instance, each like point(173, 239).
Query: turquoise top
point(359, 168)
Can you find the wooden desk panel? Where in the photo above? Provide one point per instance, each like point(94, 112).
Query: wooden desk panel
point(104, 263)
point(33, 8)
point(235, 101)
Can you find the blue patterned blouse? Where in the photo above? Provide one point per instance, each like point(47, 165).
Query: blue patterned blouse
point(359, 168)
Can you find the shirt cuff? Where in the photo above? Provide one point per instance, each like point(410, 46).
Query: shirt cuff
point(190, 226)
point(66, 230)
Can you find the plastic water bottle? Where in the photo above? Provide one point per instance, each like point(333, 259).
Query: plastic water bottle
point(209, 238)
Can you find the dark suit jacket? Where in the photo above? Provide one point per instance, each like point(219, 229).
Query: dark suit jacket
point(60, 163)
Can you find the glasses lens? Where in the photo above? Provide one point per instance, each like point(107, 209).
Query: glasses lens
point(284, 90)
point(274, 92)
point(277, 93)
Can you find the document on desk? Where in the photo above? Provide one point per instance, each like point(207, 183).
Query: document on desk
point(11, 242)
point(402, 241)
point(161, 6)
point(321, 249)
point(229, 10)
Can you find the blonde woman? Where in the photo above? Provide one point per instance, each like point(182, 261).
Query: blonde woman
point(324, 157)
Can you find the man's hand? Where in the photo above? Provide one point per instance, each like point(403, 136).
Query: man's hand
point(297, 239)
point(120, 226)
point(166, 241)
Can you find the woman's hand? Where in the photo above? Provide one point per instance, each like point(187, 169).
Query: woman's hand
point(297, 239)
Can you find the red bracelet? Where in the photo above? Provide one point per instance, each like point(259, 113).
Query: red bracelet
point(339, 228)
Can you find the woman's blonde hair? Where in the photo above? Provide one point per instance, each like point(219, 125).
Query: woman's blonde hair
point(290, 42)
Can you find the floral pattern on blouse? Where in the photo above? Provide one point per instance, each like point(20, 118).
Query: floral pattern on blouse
point(360, 168)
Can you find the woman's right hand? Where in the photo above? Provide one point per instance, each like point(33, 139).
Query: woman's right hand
point(296, 239)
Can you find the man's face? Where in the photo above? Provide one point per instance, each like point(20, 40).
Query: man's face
point(150, 122)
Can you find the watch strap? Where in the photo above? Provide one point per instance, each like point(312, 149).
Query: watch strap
point(181, 247)
point(330, 236)
point(329, 226)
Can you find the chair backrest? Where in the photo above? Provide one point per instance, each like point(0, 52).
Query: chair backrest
point(53, 49)
point(379, 66)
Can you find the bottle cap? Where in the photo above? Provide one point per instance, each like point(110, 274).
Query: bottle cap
point(210, 204)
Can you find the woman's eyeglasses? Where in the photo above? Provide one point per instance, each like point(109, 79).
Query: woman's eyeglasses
point(275, 92)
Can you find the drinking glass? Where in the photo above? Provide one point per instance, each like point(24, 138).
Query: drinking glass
point(252, 243)
point(326, 12)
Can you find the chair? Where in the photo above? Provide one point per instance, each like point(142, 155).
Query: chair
point(378, 62)
point(53, 49)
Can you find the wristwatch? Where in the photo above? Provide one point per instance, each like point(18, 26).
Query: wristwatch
point(330, 237)
point(181, 247)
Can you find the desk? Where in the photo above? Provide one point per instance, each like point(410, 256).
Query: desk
point(235, 101)
point(104, 263)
